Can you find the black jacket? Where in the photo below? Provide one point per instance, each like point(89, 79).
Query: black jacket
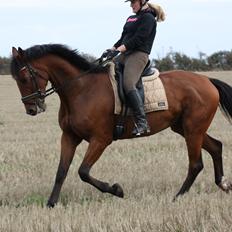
point(139, 32)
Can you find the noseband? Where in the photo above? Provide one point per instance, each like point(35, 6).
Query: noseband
point(38, 94)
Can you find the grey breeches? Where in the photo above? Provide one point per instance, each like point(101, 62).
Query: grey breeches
point(134, 65)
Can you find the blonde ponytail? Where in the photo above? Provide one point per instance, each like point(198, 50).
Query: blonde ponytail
point(159, 11)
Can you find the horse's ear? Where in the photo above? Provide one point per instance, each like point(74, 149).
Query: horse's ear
point(20, 51)
point(15, 52)
point(18, 54)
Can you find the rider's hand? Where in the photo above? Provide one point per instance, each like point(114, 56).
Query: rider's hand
point(122, 48)
point(106, 53)
point(112, 54)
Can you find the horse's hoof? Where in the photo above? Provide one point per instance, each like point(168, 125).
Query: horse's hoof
point(117, 190)
point(50, 205)
point(225, 185)
point(174, 199)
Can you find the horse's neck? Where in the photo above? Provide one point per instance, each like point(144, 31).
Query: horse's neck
point(78, 85)
point(62, 73)
point(74, 84)
point(88, 93)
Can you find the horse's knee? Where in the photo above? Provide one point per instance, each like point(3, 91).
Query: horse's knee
point(84, 173)
point(197, 167)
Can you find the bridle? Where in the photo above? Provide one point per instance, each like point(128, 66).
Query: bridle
point(41, 95)
point(38, 94)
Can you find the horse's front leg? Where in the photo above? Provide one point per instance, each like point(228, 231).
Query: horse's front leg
point(94, 151)
point(68, 147)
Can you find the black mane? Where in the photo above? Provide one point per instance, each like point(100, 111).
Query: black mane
point(72, 56)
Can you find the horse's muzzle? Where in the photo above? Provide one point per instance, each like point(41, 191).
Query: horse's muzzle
point(38, 107)
point(31, 111)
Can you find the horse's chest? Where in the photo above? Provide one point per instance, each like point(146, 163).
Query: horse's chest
point(78, 125)
point(64, 122)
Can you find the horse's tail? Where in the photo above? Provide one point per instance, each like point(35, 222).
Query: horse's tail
point(225, 93)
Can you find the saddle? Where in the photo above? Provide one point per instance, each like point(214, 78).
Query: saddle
point(154, 90)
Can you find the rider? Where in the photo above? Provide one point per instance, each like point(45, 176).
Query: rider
point(135, 45)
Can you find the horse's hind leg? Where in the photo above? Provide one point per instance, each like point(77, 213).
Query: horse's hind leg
point(93, 153)
point(194, 143)
point(214, 147)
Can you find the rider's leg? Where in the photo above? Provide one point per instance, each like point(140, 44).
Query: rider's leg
point(133, 67)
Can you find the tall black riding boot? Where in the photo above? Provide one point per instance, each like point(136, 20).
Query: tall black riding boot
point(135, 102)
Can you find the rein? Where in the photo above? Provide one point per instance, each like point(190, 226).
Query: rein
point(43, 94)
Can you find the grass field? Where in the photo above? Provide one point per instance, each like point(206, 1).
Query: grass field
point(150, 170)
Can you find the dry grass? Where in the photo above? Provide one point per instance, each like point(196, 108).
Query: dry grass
point(151, 170)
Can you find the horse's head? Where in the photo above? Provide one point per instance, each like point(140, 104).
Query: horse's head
point(31, 82)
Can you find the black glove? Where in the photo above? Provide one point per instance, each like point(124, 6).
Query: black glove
point(112, 54)
point(109, 54)
point(106, 53)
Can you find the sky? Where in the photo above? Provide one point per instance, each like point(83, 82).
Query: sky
point(91, 26)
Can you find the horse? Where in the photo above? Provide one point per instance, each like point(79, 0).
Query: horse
point(87, 111)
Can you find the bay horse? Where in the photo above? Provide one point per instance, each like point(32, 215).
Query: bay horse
point(87, 111)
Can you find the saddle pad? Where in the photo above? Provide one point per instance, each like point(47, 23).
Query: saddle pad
point(155, 98)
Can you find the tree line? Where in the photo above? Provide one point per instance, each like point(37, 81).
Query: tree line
point(4, 65)
point(221, 60)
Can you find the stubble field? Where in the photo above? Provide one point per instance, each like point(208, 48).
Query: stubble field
point(150, 170)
